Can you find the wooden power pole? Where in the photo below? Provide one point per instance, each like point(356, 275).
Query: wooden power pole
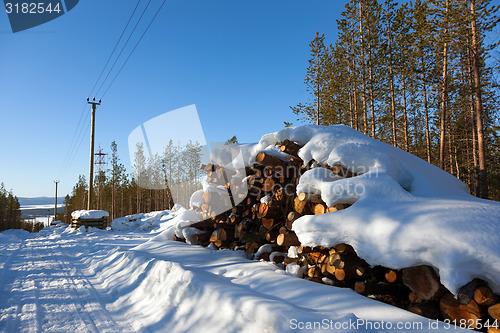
point(55, 205)
point(91, 166)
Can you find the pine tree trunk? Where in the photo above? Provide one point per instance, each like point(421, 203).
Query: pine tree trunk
point(405, 114)
point(363, 82)
point(426, 114)
point(444, 97)
point(317, 90)
point(473, 124)
point(479, 103)
point(372, 100)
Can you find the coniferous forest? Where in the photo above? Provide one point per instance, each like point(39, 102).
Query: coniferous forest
point(10, 213)
point(155, 184)
point(421, 76)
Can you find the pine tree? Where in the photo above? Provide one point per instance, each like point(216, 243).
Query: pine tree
point(315, 81)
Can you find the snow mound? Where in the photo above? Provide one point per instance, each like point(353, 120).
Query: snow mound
point(141, 222)
point(404, 212)
point(89, 214)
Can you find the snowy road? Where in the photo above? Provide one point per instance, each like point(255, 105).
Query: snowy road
point(45, 289)
point(64, 280)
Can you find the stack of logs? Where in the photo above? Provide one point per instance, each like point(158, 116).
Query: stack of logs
point(260, 223)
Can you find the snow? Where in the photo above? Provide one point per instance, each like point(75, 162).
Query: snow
point(47, 206)
point(405, 211)
point(89, 214)
point(140, 222)
point(133, 277)
point(62, 280)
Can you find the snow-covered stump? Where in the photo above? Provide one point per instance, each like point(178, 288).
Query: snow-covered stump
point(280, 189)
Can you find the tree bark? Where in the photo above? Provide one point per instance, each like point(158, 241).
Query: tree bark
point(479, 102)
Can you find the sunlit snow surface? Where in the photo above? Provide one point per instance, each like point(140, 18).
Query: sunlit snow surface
point(66, 280)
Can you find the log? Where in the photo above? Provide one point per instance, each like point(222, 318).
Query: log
point(263, 209)
point(350, 269)
point(466, 293)
point(267, 223)
point(309, 249)
point(251, 247)
point(341, 171)
point(483, 296)
point(391, 276)
point(314, 272)
point(453, 310)
point(270, 161)
point(423, 281)
point(314, 198)
point(290, 147)
point(224, 234)
point(179, 239)
point(494, 311)
point(331, 209)
point(203, 225)
point(288, 239)
point(319, 209)
point(235, 218)
point(202, 238)
point(344, 248)
point(271, 236)
point(283, 230)
point(268, 184)
point(365, 288)
point(426, 309)
point(299, 205)
point(292, 216)
point(413, 298)
point(277, 257)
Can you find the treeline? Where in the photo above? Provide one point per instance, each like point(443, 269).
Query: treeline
point(417, 76)
point(10, 213)
point(156, 182)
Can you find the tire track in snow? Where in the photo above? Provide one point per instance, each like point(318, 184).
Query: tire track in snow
point(44, 290)
point(100, 319)
point(9, 314)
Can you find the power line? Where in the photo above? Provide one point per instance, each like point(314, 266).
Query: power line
point(119, 71)
point(68, 153)
point(78, 144)
point(123, 48)
point(81, 131)
point(116, 45)
point(73, 149)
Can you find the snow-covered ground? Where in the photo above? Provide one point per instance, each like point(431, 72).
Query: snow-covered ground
point(66, 280)
point(404, 212)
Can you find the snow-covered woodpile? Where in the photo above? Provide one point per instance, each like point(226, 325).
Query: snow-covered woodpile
point(89, 218)
point(265, 204)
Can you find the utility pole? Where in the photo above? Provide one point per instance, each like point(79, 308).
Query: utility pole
point(91, 166)
point(55, 205)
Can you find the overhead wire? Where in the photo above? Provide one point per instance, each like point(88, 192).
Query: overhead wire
point(77, 138)
point(123, 48)
point(126, 60)
point(116, 45)
point(81, 132)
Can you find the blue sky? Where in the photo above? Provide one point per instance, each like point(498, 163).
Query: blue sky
point(242, 63)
